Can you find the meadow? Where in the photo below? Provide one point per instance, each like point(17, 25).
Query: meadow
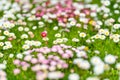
point(59, 40)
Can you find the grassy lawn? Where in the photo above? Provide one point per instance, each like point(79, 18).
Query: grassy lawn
point(89, 30)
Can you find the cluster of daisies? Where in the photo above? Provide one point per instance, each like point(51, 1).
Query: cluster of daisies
point(55, 39)
point(47, 62)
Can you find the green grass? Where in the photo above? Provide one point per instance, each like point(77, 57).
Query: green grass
point(105, 47)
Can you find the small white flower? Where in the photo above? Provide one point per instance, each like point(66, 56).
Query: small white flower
point(116, 40)
point(102, 37)
point(2, 66)
point(26, 29)
point(5, 47)
point(97, 52)
point(37, 43)
point(58, 35)
point(55, 28)
point(78, 60)
point(71, 19)
point(45, 38)
point(106, 32)
point(2, 37)
point(77, 12)
point(100, 23)
point(45, 17)
point(92, 78)
point(24, 36)
point(116, 26)
point(119, 19)
point(12, 35)
point(55, 42)
point(26, 47)
point(11, 55)
point(64, 39)
point(20, 56)
point(81, 48)
point(105, 2)
point(73, 76)
point(97, 27)
point(110, 59)
point(41, 24)
point(116, 11)
point(96, 61)
point(101, 31)
point(84, 65)
point(116, 36)
point(68, 25)
point(55, 75)
point(53, 2)
point(106, 79)
point(115, 6)
point(6, 33)
point(88, 41)
point(6, 25)
point(78, 25)
point(59, 40)
point(9, 46)
point(20, 28)
point(99, 69)
point(34, 27)
point(97, 36)
point(61, 24)
point(118, 66)
point(75, 40)
point(1, 44)
point(81, 54)
point(93, 14)
point(82, 34)
point(73, 23)
point(7, 43)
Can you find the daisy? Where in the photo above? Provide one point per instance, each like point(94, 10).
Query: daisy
point(55, 75)
point(118, 66)
point(74, 76)
point(99, 69)
point(95, 60)
point(82, 34)
point(110, 59)
point(92, 78)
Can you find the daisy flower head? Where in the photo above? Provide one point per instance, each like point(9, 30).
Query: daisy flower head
point(110, 59)
point(82, 34)
point(74, 76)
